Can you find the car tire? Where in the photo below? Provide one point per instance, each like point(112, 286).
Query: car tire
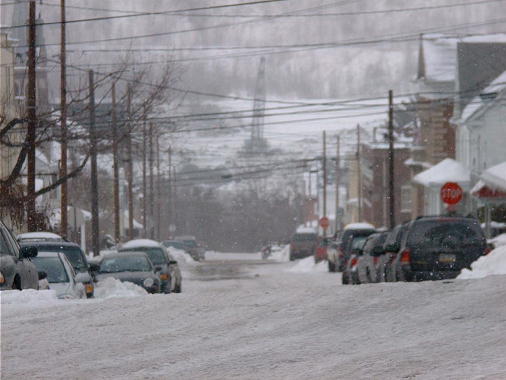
point(332, 266)
point(178, 288)
point(344, 279)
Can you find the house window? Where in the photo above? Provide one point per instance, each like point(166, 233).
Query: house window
point(406, 199)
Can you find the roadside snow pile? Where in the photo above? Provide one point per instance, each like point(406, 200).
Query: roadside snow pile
point(308, 265)
point(498, 241)
point(29, 297)
point(493, 263)
point(281, 254)
point(111, 288)
point(181, 256)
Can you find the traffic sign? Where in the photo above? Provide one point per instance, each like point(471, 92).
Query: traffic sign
point(451, 193)
point(324, 222)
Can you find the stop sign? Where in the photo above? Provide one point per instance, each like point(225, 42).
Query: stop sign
point(324, 222)
point(451, 193)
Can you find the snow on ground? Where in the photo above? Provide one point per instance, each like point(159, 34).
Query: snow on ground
point(280, 253)
point(111, 287)
point(181, 256)
point(308, 265)
point(493, 263)
point(218, 256)
point(28, 298)
point(272, 325)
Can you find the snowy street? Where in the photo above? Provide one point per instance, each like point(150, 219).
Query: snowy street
point(256, 320)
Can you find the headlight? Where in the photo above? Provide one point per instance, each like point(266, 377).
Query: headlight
point(2, 279)
point(148, 282)
point(164, 277)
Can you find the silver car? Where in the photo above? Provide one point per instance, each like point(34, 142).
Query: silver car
point(55, 267)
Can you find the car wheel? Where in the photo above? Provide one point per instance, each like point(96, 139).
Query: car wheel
point(332, 266)
point(344, 279)
point(178, 288)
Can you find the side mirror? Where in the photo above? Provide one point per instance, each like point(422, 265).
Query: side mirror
point(158, 269)
point(172, 262)
point(394, 247)
point(28, 252)
point(83, 277)
point(42, 275)
point(94, 267)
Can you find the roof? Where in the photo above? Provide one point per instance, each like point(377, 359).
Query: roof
point(45, 243)
point(448, 170)
point(487, 95)
point(305, 230)
point(495, 177)
point(138, 243)
point(359, 226)
point(49, 254)
point(39, 235)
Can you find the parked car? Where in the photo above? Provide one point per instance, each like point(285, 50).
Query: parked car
point(438, 247)
point(129, 266)
point(303, 244)
point(195, 250)
point(75, 256)
point(321, 249)
point(55, 267)
point(391, 248)
point(174, 244)
point(367, 267)
point(353, 251)
point(338, 258)
point(28, 237)
point(16, 268)
point(165, 265)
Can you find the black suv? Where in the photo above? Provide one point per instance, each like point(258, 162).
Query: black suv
point(438, 247)
point(16, 269)
point(76, 258)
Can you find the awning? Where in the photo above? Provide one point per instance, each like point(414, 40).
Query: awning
point(445, 171)
point(492, 183)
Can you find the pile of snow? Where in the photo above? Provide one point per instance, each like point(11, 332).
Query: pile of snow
point(498, 241)
point(493, 263)
point(181, 256)
point(111, 288)
point(308, 265)
point(29, 297)
point(448, 170)
point(280, 253)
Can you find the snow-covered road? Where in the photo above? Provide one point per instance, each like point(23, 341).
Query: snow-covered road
point(254, 320)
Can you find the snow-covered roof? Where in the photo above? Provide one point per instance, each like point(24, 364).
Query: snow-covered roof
point(359, 226)
point(38, 236)
point(497, 86)
point(137, 243)
point(447, 170)
point(495, 177)
point(305, 230)
point(411, 162)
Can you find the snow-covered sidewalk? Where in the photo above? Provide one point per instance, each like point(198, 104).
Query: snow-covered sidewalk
point(274, 324)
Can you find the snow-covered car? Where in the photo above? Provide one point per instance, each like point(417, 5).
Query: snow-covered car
point(16, 268)
point(29, 237)
point(75, 256)
point(338, 258)
point(165, 265)
point(60, 274)
point(438, 247)
point(129, 266)
point(367, 270)
point(391, 248)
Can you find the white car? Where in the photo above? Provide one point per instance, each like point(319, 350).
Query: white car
point(38, 236)
point(56, 269)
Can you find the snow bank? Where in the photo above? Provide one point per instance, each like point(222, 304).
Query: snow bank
point(29, 297)
point(493, 263)
point(308, 265)
point(111, 287)
point(181, 256)
point(498, 241)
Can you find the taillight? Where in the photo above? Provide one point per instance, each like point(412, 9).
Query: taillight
point(405, 256)
point(487, 251)
point(375, 260)
point(354, 262)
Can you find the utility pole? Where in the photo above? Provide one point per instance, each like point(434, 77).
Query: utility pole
point(63, 127)
point(324, 180)
point(391, 194)
point(144, 174)
point(158, 190)
point(338, 143)
point(130, 170)
point(359, 176)
point(94, 178)
point(32, 121)
point(170, 218)
point(151, 184)
point(117, 231)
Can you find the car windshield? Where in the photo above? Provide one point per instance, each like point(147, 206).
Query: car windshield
point(304, 237)
point(54, 268)
point(74, 255)
point(125, 264)
point(156, 255)
point(437, 234)
point(174, 244)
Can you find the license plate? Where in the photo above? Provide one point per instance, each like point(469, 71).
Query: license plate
point(446, 258)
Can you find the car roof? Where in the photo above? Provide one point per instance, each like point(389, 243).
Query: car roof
point(140, 243)
point(49, 254)
point(45, 243)
point(125, 253)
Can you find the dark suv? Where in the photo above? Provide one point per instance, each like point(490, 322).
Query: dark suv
point(16, 268)
point(438, 247)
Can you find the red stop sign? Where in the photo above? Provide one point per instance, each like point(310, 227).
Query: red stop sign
point(324, 222)
point(451, 193)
